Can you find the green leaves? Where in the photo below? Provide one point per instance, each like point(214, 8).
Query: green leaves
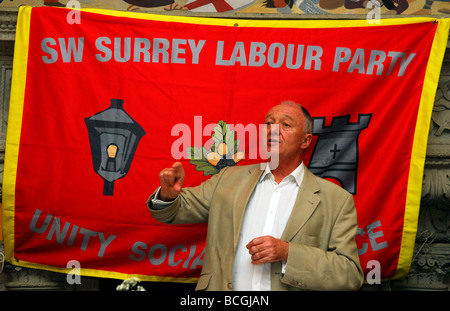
point(222, 152)
point(198, 158)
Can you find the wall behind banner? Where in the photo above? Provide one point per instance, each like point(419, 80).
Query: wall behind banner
point(431, 265)
point(390, 7)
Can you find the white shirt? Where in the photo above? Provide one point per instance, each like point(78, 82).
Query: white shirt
point(267, 213)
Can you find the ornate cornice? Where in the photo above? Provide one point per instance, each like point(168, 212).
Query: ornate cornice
point(8, 22)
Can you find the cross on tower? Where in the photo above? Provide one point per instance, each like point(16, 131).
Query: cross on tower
point(335, 150)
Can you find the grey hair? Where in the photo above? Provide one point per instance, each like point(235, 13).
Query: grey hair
point(309, 124)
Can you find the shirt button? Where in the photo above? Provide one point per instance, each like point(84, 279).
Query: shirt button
point(230, 286)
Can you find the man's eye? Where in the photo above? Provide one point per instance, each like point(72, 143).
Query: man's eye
point(286, 125)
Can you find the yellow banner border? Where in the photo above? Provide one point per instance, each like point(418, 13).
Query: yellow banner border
point(106, 274)
point(18, 85)
point(20, 64)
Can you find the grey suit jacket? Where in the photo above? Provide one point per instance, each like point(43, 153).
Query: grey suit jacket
point(320, 231)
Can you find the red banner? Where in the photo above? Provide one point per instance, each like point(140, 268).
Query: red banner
point(101, 103)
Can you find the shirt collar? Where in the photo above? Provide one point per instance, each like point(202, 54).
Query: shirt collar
point(297, 174)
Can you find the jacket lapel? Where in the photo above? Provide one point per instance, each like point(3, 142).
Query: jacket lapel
point(305, 204)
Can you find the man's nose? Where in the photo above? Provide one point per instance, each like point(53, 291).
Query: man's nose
point(273, 129)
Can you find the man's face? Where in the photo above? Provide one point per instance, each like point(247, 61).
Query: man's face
point(288, 137)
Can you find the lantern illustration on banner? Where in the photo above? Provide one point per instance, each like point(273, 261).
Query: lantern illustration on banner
point(113, 137)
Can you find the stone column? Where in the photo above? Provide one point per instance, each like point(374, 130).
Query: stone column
point(430, 268)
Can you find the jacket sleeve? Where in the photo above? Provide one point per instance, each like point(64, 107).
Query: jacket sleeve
point(191, 206)
point(334, 268)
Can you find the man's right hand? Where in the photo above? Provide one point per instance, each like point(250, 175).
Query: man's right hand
point(172, 180)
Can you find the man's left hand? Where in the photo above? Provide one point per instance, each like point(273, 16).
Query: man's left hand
point(267, 249)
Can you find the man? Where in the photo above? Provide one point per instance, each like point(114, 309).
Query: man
point(280, 228)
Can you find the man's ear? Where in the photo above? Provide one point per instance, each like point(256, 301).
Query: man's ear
point(307, 141)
